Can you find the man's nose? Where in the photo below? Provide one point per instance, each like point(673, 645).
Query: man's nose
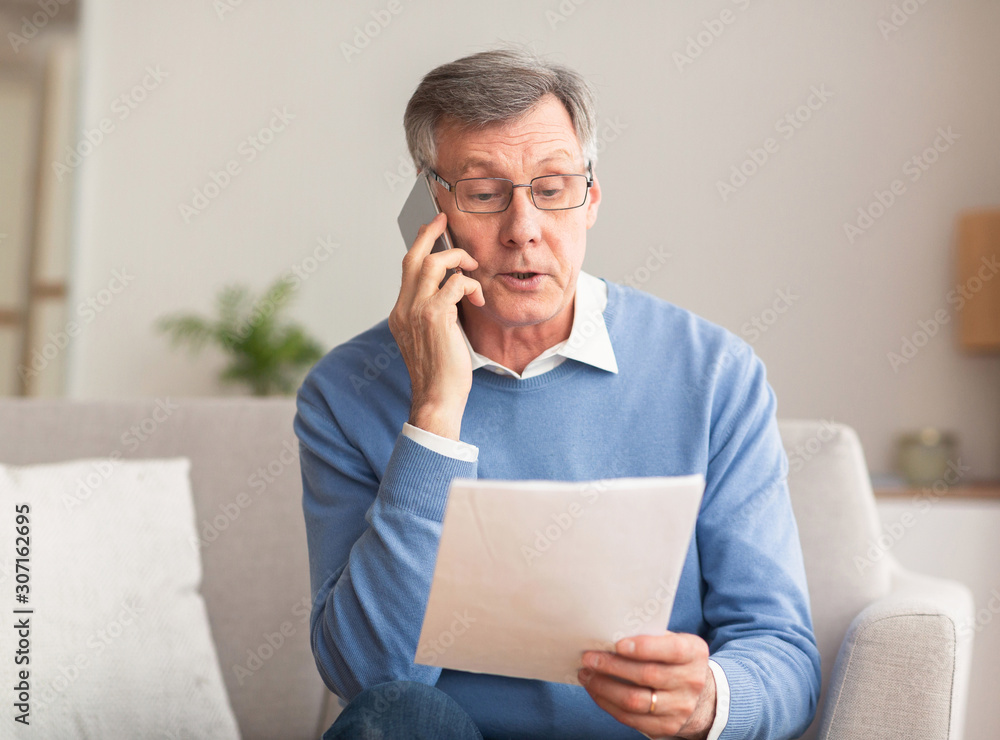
point(521, 222)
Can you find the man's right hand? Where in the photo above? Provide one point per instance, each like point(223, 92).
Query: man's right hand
point(424, 322)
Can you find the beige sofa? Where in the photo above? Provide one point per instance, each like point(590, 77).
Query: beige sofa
point(895, 658)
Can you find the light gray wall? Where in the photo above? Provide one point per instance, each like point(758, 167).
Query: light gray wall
point(671, 134)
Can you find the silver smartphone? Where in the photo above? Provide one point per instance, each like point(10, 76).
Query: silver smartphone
point(420, 208)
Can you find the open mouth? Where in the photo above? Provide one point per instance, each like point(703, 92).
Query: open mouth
point(522, 280)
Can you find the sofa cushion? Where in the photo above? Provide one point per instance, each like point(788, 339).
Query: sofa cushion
point(118, 639)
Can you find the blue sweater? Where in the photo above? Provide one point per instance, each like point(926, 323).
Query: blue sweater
point(689, 397)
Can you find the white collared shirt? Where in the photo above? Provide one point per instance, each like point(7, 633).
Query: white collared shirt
point(592, 345)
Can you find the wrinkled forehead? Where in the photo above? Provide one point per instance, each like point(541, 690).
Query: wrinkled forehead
point(560, 159)
point(543, 136)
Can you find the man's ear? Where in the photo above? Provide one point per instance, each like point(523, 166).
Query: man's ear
point(593, 201)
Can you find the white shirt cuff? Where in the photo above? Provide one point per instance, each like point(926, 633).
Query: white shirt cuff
point(442, 445)
point(721, 704)
point(721, 701)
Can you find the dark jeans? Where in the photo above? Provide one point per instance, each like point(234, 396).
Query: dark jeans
point(403, 710)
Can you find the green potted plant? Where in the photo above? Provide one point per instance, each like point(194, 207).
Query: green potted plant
point(268, 355)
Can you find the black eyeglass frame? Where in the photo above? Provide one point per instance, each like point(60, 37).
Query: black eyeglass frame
point(453, 189)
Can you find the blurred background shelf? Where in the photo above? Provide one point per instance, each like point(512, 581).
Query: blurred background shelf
point(986, 490)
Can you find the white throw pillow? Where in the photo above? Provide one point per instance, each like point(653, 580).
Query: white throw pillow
point(118, 639)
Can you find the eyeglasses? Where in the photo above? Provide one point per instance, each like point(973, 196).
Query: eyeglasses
point(494, 194)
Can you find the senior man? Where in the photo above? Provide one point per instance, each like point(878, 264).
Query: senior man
point(523, 366)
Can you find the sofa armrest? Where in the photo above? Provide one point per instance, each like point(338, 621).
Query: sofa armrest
point(903, 668)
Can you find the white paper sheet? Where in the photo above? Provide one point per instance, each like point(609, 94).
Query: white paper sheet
point(530, 574)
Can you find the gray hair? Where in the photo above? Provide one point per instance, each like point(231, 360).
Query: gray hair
point(494, 87)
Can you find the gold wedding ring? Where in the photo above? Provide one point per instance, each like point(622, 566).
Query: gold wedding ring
point(652, 701)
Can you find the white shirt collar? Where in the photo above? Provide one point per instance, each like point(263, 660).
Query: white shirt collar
point(588, 339)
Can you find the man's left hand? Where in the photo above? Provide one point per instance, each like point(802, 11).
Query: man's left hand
point(674, 665)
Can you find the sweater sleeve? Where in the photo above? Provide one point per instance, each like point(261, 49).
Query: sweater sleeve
point(372, 548)
point(756, 601)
